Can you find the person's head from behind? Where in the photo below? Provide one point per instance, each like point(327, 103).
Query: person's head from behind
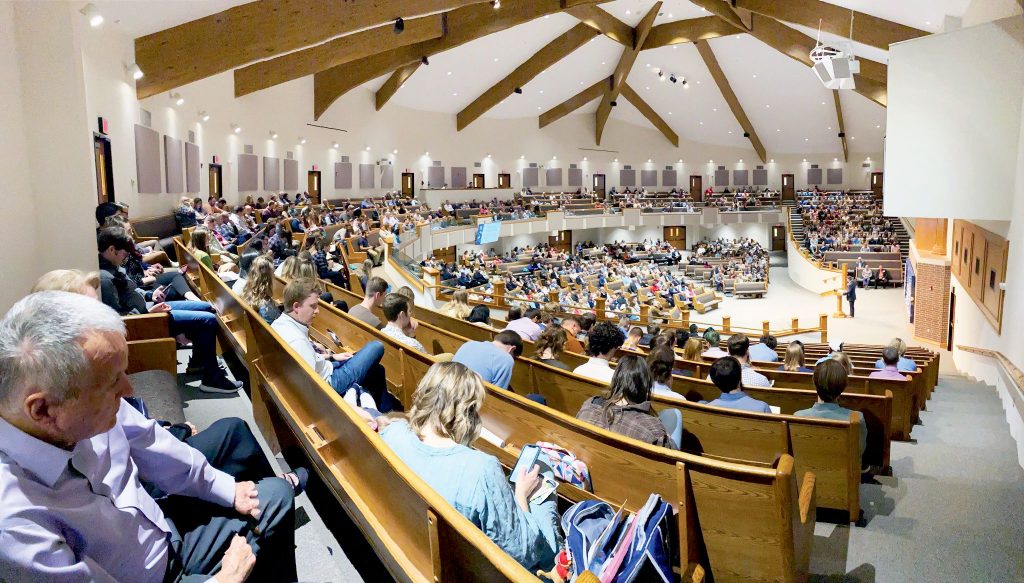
point(533, 314)
point(245, 262)
point(693, 329)
point(302, 300)
point(890, 356)
point(726, 373)
point(376, 289)
point(769, 341)
point(514, 313)
point(63, 363)
point(738, 345)
point(713, 337)
point(830, 378)
point(551, 342)
point(587, 321)
point(794, 357)
point(843, 359)
point(480, 314)
point(661, 361)
point(447, 402)
point(259, 285)
point(104, 210)
point(114, 245)
point(69, 280)
point(635, 334)
point(899, 345)
point(631, 381)
point(510, 341)
point(396, 310)
point(605, 339)
point(368, 267)
point(407, 293)
point(692, 349)
point(571, 326)
point(461, 297)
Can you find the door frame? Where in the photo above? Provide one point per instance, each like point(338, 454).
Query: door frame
point(790, 189)
point(877, 184)
point(781, 239)
point(104, 168)
point(952, 319)
point(697, 187)
point(504, 180)
point(481, 177)
point(603, 191)
point(218, 171)
point(664, 236)
point(315, 194)
point(411, 191)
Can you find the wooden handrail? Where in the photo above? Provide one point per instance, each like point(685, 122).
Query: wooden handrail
point(1011, 369)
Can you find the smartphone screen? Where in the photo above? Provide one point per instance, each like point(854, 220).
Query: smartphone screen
point(527, 459)
point(334, 337)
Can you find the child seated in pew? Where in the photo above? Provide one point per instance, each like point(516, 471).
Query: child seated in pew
point(661, 361)
point(794, 361)
point(830, 378)
point(436, 443)
point(259, 287)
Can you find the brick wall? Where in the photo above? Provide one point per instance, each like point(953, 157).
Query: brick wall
point(931, 302)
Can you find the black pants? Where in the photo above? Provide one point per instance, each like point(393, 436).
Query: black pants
point(851, 307)
point(202, 531)
point(175, 284)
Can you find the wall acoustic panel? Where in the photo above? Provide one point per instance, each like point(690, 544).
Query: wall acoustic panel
point(834, 175)
point(531, 177)
point(575, 177)
point(721, 177)
point(342, 176)
point(291, 175)
point(387, 176)
point(814, 176)
point(147, 160)
point(248, 173)
point(648, 178)
point(553, 177)
point(739, 178)
point(192, 168)
point(366, 178)
point(174, 167)
point(458, 177)
point(760, 177)
point(669, 178)
point(627, 177)
point(435, 177)
point(271, 174)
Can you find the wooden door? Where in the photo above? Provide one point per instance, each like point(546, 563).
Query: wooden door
point(696, 187)
point(408, 185)
point(675, 236)
point(778, 238)
point(599, 185)
point(562, 241)
point(952, 318)
point(104, 169)
point(504, 181)
point(313, 185)
point(876, 184)
point(216, 182)
point(788, 187)
point(478, 181)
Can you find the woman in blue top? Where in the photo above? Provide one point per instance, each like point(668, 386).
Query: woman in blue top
point(435, 443)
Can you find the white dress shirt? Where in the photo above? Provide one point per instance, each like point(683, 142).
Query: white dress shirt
point(296, 335)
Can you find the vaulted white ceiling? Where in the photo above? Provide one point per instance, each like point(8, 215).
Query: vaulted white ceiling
point(788, 107)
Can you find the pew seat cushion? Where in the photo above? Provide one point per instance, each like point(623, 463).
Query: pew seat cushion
point(159, 390)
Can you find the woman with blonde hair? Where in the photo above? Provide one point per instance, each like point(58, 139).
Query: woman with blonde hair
point(436, 443)
point(259, 289)
point(70, 280)
point(843, 359)
point(459, 306)
point(693, 349)
point(794, 361)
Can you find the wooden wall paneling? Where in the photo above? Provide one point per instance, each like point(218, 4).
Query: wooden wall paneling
point(958, 234)
point(248, 173)
point(271, 174)
point(174, 168)
point(147, 160)
point(977, 264)
point(291, 175)
point(994, 273)
point(366, 175)
point(193, 166)
point(342, 176)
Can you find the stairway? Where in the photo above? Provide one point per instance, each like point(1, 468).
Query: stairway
point(904, 239)
point(796, 221)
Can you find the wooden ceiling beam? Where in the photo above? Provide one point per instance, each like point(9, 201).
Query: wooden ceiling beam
point(651, 115)
point(297, 64)
point(725, 11)
point(626, 61)
point(604, 23)
point(394, 83)
point(547, 56)
point(463, 25)
point(688, 31)
point(575, 102)
point(841, 126)
point(256, 30)
point(730, 97)
point(867, 29)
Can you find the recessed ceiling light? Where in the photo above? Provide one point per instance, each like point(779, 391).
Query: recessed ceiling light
point(829, 127)
point(427, 154)
point(135, 71)
point(647, 88)
point(541, 91)
point(805, 159)
point(670, 15)
point(538, 107)
point(522, 157)
point(648, 160)
point(395, 151)
point(741, 160)
point(768, 105)
point(823, 103)
point(302, 140)
point(670, 113)
point(755, 75)
point(835, 159)
point(730, 132)
point(806, 139)
point(488, 155)
point(367, 148)
point(449, 72)
point(648, 65)
point(335, 145)
point(93, 14)
point(698, 82)
point(878, 126)
point(454, 94)
point(616, 160)
point(584, 158)
point(701, 123)
point(772, 161)
point(602, 62)
point(273, 135)
point(778, 129)
point(680, 160)
point(852, 138)
point(714, 109)
point(495, 59)
point(928, 22)
point(628, 12)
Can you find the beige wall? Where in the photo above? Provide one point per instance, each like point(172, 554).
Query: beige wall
point(981, 11)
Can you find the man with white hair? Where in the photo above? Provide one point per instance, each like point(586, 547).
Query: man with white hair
point(74, 454)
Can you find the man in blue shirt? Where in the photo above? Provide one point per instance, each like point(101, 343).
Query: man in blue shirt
point(765, 351)
point(493, 361)
point(726, 373)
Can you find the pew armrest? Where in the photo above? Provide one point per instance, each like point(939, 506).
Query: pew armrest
point(147, 326)
point(153, 354)
point(808, 504)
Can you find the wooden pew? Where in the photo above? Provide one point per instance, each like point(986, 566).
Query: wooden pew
point(150, 346)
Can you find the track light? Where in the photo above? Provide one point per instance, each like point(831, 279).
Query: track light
point(367, 148)
point(235, 128)
point(614, 103)
point(334, 145)
point(135, 71)
point(302, 140)
point(204, 116)
point(399, 26)
point(685, 84)
point(273, 135)
point(424, 60)
point(93, 14)
point(178, 99)
point(672, 78)
point(661, 75)
point(518, 91)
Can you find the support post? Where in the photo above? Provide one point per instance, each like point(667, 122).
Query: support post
point(823, 326)
point(686, 319)
point(796, 323)
point(599, 308)
point(499, 293)
point(727, 324)
point(765, 327)
point(645, 313)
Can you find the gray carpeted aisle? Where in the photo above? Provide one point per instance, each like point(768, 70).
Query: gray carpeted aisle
point(953, 509)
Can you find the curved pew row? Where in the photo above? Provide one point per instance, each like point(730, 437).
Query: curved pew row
point(708, 494)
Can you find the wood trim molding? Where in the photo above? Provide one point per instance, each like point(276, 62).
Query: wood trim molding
point(625, 64)
point(393, 84)
point(730, 97)
point(575, 102)
point(651, 115)
point(1011, 369)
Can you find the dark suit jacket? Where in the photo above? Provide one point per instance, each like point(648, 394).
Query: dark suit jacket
point(851, 290)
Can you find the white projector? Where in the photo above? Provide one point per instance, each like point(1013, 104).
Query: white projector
point(835, 67)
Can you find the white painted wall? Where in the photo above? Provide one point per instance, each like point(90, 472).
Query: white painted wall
point(807, 275)
point(982, 11)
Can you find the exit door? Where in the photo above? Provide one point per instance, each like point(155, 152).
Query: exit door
point(876, 185)
point(778, 238)
point(313, 185)
point(478, 181)
point(788, 187)
point(696, 187)
point(504, 181)
point(216, 184)
point(599, 185)
point(562, 241)
point(675, 236)
point(104, 169)
point(408, 185)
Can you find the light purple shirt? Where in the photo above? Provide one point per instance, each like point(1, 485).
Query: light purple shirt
point(889, 372)
point(82, 515)
point(526, 328)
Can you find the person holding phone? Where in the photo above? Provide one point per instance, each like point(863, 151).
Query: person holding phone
point(435, 442)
